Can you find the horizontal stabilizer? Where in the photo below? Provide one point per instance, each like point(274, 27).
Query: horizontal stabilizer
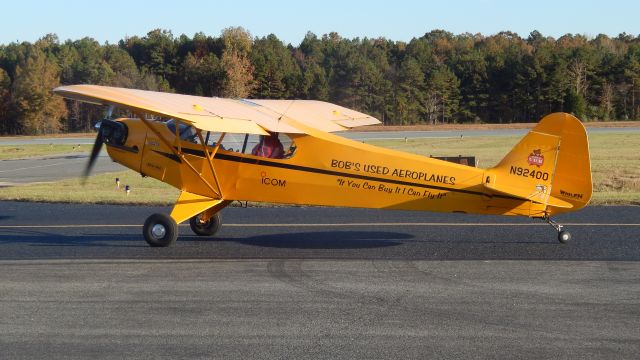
point(538, 196)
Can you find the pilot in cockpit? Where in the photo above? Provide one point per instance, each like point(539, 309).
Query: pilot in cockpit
point(269, 147)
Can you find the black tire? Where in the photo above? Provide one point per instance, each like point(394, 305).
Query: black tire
point(208, 228)
point(564, 236)
point(160, 230)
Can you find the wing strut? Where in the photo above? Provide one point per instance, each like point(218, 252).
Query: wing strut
point(217, 192)
point(211, 155)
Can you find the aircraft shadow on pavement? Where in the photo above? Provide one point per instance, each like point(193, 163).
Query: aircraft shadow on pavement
point(304, 240)
point(28, 244)
point(327, 240)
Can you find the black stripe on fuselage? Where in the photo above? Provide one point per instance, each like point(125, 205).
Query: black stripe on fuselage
point(133, 149)
point(263, 162)
point(173, 157)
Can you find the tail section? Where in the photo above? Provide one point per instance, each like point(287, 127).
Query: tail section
point(549, 166)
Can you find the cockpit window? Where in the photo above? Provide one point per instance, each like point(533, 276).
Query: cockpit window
point(274, 146)
point(187, 132)
point(263, 146)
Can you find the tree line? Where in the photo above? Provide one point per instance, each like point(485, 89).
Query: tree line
point(436, 78)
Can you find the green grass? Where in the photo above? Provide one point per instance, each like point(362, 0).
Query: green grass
point(614, 160)
point(488, 150)
point(27, 151)
point(98, 189)
point(615, 163)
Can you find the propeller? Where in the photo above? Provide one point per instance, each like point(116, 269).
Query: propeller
point(97, 145)
point(95, 151)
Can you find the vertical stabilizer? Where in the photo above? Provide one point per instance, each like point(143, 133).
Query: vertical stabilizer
point(550, 165)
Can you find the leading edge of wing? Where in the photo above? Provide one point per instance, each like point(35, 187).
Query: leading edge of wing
point(190, 109)
point(225, 115)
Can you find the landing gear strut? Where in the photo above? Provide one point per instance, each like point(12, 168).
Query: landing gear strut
point(205, 227)
point(563, 235)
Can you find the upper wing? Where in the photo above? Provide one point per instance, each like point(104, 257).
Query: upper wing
point(215, 114)
point(321, 115)
point(224, 115)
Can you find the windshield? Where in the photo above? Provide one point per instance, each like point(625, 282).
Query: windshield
point(187, 132)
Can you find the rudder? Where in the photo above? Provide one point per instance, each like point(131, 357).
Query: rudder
point(550, 165)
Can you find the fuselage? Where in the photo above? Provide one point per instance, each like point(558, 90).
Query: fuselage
point(328, 171)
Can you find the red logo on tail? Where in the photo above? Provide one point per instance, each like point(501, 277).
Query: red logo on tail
point(536, 158)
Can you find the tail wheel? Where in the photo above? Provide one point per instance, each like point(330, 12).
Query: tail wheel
point(205, 228)
point(160, 230)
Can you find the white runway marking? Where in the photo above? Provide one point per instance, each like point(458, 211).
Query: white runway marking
point(310, 225)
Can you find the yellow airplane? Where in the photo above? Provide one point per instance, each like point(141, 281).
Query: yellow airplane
point(218, 150)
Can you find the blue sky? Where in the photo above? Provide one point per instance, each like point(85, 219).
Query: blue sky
point(28, 20)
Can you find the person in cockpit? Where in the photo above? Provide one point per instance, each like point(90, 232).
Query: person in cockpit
point(269, 147)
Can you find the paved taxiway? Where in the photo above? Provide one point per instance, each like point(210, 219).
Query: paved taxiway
point(78, 281)
point(52, 168)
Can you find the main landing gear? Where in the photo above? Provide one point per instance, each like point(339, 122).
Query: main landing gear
point(160, 230)
point(202, 227)
point(563, 235)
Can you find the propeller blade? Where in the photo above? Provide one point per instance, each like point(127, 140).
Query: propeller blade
point(97, 146)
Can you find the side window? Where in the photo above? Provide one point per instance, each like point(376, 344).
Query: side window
point(231, 142)
point(276, 146)
point(289, 145)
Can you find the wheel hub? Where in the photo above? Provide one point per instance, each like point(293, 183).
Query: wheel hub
point(158, 231)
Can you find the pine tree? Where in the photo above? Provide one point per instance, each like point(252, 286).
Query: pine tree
point(238, 80)
point(204, 73)
point(632, 76)
point(315, 85)
point(5, 103)
point(275, 71)
point(443, 96)
point(411, 94)
point(38, 110)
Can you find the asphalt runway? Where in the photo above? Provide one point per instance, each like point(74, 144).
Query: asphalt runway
point(52, 168)
point(78, 281)
point(62, 231)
